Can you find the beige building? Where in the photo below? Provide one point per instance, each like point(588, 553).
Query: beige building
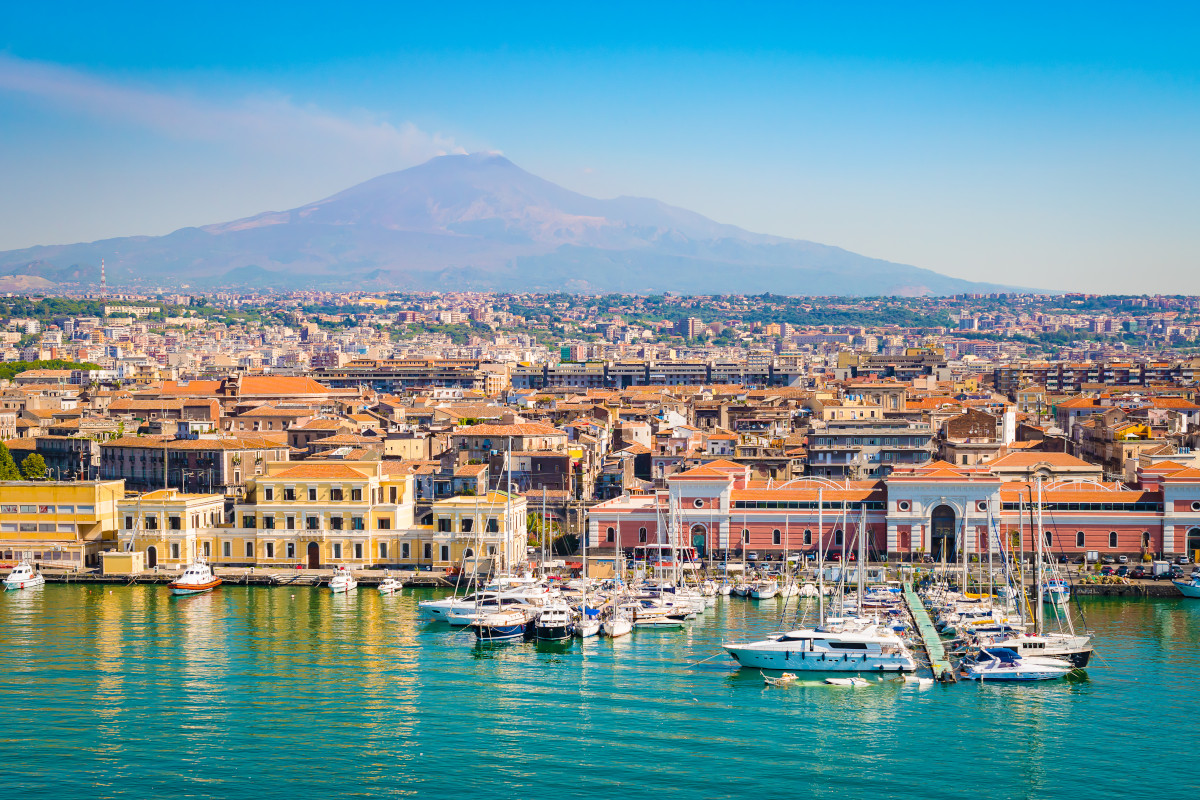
point(173, 528)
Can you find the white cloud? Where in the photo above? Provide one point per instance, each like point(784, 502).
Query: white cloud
point(262, 123)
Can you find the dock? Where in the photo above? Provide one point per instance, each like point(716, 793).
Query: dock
point(938, 662)
point(256, 577)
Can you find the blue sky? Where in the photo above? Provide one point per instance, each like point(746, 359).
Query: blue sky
point(1018, 143)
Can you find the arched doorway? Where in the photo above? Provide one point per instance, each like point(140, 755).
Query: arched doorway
point(151, 557)
point(314, 555)
point(942, 539)
point(1193, 543)
point(699, 539)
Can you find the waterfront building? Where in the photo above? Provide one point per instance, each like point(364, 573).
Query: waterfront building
point(172, 528)
point(935, 509)
point(61, 523)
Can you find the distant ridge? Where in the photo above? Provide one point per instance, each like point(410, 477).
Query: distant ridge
point(478, 222)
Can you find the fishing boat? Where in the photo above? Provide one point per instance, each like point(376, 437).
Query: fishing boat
point(1189, 588)
point(24, 576)
point(1056, 591)
point(553, 623)
point(764, 590)
point(390, 586)
point(342, 581)
point(499, 626)
point(1003, 664)
point(197, 578)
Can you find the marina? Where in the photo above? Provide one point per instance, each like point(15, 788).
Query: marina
point(103, 672)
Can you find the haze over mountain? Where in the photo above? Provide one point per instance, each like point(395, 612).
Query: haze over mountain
point(476, 222)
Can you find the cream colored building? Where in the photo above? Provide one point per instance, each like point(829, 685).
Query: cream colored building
point(173, 528)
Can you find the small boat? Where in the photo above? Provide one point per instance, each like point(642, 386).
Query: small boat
point(24, 576)
point(500, 626)
point(390, 586)
point(197, 578)
point(1189, 588)
point(764, 590)
point(853, 681)
point(657, 621)
point(587, 627)
point(920, 683)
point(1056, 592)
point(782, 680)
point(617, 625)
point(1003, 664)
point(342, 581)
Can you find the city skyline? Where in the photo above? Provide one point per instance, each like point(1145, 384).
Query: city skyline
point(1045, 150)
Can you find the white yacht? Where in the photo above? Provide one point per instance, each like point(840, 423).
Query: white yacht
point(587, 627)
point(553, 623)
point(1003, 664)
point(342, 581)
point(828, 648)
point(764, 590)
point(1073, 647)
point(24, 576)
point(197, 578)
point(617, 624)
point(390, 586)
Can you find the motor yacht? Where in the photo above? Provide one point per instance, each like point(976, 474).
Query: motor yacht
point(390, 586)
point(342, 581)
point(764, 590)
point(24, 576)
point(196, 578)
point(838, 646)
point(553, 622)
point(1073, 647)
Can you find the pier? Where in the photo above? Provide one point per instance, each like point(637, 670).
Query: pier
point(938, 662)
point(257, 577)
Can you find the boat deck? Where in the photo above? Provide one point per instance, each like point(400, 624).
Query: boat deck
point(938, 661)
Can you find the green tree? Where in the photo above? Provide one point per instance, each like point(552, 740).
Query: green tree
point(33, 466)
point(8, 467)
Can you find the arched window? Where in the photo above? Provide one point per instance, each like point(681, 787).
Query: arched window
point(1079, 538)
point(745, 535)
point(1049, 539)
point(775, 536)
point(808, 537)
point(641, 534)
point(1112, 539)
point(837, 536)
point(469, 553)
point(612, 534)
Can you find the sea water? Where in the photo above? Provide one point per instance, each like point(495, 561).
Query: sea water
point(295, 692)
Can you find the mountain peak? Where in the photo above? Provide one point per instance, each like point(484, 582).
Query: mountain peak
point(477, 220)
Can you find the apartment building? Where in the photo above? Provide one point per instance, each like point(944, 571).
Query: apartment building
point(58, 523)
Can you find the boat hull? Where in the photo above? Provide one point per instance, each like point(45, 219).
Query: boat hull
point(31, 583)
point(552, 633)
point(1188, 588)
point(499, 633)
point(793, 660)
point(185, 589)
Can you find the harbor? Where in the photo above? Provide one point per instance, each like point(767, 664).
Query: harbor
point(194, 685)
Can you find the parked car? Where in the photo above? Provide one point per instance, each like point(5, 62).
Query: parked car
point(1183, 560)
point(1107, 570)
point(1063, 560)
point(752, 556)
point(1174, 574)
point(1107, 560)
point(1139, 572)
point(1122, 559)
point(1122, 571)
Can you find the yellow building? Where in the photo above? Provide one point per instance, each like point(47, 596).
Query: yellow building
point(323, 514)
point(470, 529)
point(58, 523)
point(173, 528)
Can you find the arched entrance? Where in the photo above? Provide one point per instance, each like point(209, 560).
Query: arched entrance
point(699, 539)
point(151, 557)
point(942, 539)
point(1193, 543)
point(314, 555)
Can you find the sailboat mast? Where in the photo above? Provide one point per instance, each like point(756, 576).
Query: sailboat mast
point(820, 556)
point(1040, 535)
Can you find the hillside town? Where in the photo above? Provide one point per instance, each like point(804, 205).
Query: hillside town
point(413, 431)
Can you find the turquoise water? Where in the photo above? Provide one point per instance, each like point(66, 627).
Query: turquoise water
point(251, 692)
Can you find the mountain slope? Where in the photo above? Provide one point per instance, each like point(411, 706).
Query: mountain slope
point(480, 222)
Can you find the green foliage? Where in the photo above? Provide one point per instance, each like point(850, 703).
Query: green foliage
point(33, 467)
point(8, 467)
point(12, 368)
